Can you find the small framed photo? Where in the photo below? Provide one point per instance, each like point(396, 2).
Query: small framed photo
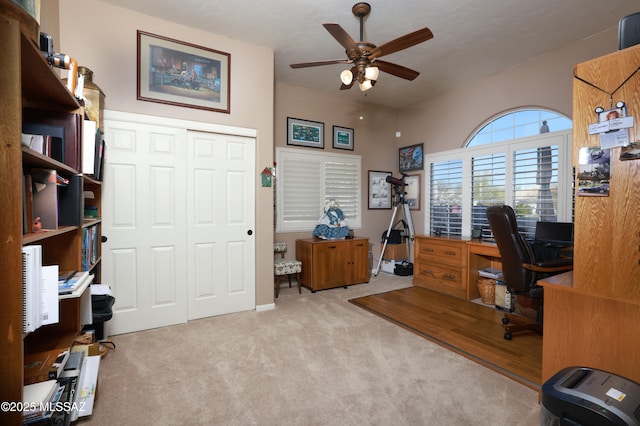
point(412, 191)
point(177, 73)
point(411, 158)
point(305, 133)
point(342, 138)
point(379, 190)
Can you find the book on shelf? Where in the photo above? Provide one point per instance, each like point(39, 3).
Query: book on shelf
point(49, 311)
point(72, 284)
point(492, 273)
point(90, 246)
point(68, 386)
point(73, 365)
point(31, 287)
point(40, 407)
point(57, 367)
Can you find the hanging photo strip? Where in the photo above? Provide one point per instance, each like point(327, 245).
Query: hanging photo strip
point(594, 171)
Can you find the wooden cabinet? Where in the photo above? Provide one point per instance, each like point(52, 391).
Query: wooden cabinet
point(333, 263)
point(440, 264)
point(28, 83)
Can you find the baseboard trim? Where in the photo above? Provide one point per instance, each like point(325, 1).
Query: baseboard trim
point(269, 307)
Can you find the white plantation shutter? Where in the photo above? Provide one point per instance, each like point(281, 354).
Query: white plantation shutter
point(488, 183)
point(306, 180)
point(535, 186)
point(445, 197)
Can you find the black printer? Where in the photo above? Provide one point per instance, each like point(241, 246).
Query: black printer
point(589, 397)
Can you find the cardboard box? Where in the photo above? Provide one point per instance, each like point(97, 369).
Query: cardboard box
point(394, 251)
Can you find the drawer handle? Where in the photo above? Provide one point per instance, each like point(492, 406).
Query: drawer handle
point(332, 247)
point(450, 277)
point(450, 253)
point(428, 250)
point(427, 271)
point(360, 244)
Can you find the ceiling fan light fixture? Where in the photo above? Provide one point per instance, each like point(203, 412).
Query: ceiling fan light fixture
point(371, 73)
point(346, 77)
point(366, 85)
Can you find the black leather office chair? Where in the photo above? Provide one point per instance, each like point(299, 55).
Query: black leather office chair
point(520, 268)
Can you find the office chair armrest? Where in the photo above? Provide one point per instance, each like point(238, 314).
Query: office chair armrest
point(562, 264)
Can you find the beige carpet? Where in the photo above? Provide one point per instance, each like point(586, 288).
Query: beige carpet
point(314, 360)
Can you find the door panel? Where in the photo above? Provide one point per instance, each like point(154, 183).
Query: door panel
point(221, 250)
point(144, 218)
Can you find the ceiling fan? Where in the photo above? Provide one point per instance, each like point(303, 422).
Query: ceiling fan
point(364, 55)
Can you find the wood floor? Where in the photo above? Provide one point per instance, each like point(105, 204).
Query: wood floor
point(470, 329)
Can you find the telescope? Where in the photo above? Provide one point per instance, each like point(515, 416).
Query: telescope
point(395, 181)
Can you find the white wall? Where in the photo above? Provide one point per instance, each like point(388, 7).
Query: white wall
point(103, 38)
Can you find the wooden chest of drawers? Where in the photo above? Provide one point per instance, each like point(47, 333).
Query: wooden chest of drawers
point(440, 264)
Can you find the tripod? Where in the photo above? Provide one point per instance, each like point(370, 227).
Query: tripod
point(399, 200)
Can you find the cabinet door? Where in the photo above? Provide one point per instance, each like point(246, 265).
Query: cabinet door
point(359, 267)
point(331, 264)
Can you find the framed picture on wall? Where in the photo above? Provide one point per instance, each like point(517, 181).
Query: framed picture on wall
point(412, 191)
point(342, 138)
point(305, 133)
point(379, 190)
point(411, 158)
point(177, 73)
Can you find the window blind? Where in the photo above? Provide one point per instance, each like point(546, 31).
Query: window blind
point(488, 186)
point(535, 186)
point(445, 197)
point(306, 181)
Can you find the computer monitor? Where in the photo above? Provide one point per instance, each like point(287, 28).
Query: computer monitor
point(557, 233)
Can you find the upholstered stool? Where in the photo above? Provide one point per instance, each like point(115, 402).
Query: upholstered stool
point(286, 267)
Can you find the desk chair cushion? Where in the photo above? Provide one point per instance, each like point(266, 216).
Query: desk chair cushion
point(279, 247)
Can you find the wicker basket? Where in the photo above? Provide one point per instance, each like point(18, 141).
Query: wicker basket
point(487, 289)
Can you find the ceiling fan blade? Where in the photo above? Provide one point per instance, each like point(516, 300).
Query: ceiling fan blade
point(319, 63)
point(344, 39)
point(397, 70)
point(402, 43)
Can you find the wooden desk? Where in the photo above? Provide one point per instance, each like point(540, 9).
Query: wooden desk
point(586, 329)
point(480, 255)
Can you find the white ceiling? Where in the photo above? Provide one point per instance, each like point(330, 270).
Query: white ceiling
point(472, 38)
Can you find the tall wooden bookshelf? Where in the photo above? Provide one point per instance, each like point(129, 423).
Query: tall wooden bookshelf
point(28, 82)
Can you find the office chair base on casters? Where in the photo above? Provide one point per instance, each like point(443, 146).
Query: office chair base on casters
point(513, 328)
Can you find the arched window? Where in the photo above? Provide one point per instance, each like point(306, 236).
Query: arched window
point(521, 158)
point(519, 124)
